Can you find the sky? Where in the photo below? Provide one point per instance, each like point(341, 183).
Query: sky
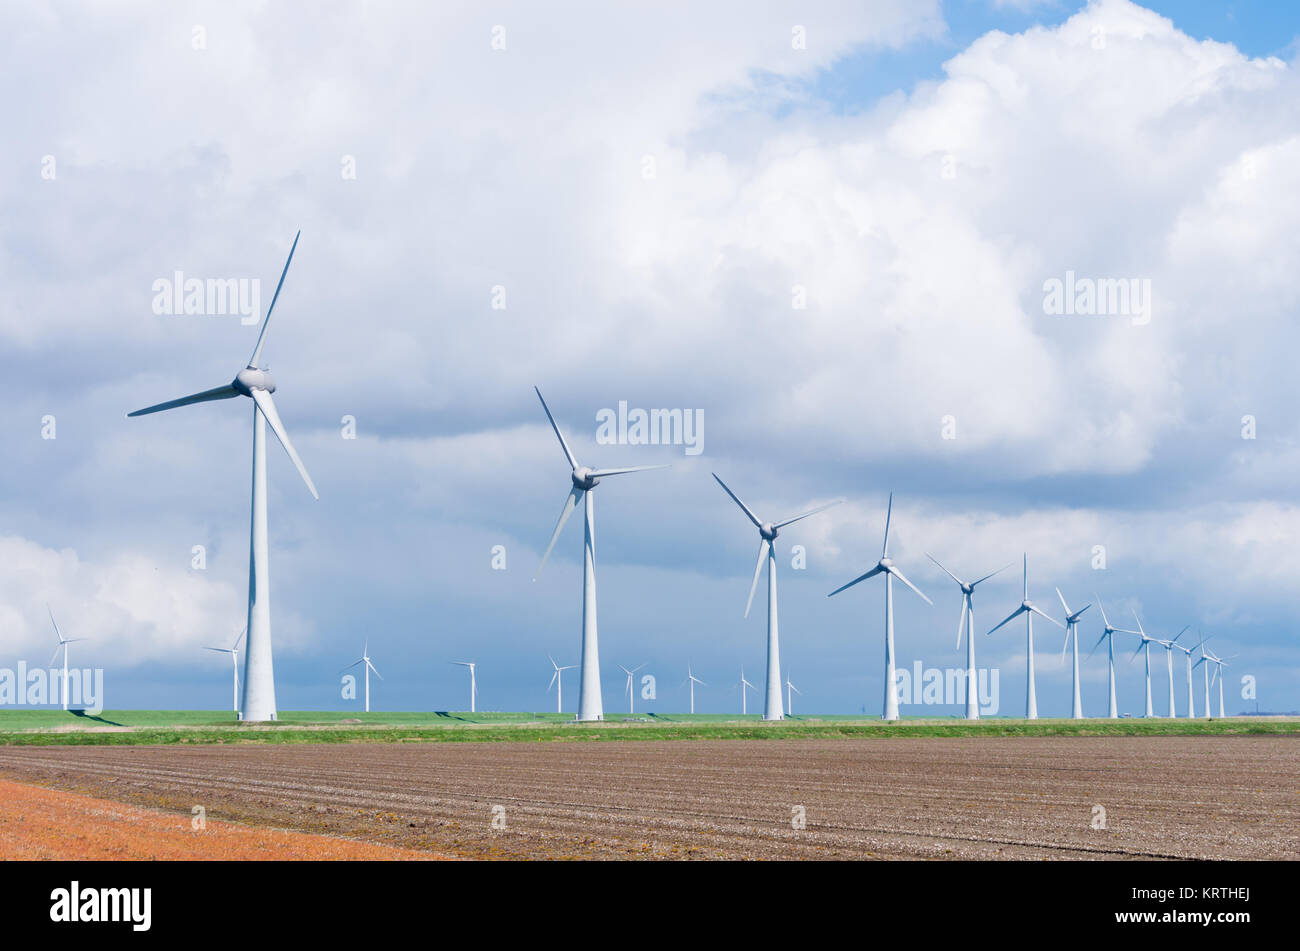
point(832, 237)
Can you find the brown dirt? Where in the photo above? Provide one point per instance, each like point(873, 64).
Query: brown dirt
point(38, 823)
point(1012, 798)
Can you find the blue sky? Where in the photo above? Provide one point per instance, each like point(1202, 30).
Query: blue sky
point(830, 251)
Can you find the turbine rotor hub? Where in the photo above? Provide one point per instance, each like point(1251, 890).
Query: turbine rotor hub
point(251, 378)
point(768, 531)
point(582, 479)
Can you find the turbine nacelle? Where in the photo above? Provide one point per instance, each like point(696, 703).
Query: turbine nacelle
point(251, 378)
point(584, 478)
point(768, 531)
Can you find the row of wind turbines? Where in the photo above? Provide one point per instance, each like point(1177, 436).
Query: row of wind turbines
point(258, 699)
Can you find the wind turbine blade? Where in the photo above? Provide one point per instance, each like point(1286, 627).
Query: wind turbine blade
point(353, 664)
point(1100, 607)
point(950, 575)
point(820, 508)
point(1025, 555)
point(217, 393)
point(240, 639)
point(603, 473)
point(961, 621)
point(374, 671)
point(54, 655)
point(1098, 644)
point(1044, 614)
point(569, 505)
point(899, 575)
point(889, 514)
point(261, 337)
point(225, 650)
point(795, 689)
point(735, 498)
point(266, 405)
point(1010, 617)
point(1180, 633)
point(870, 574)
point(1066, 645)
point(758, 570)
point(992, 573)
point(1139, 620)
point(554, 677)
point(573, 463)
point(552, 660)
point(57, 632)
point(1063, 604)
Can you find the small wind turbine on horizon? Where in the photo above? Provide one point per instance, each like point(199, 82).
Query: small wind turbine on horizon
point(1028, 609)
point(557, 681)
point(967, 622)
point(1072, 635)
point(693, 680)
point(744, 685)
point(1144, 645)
point(473, 681)
point(234, 663)
point(365, 659)
point(631, 691)
point(1191, 691)
point(1168, 645)
point(1219, 663)
point(767, 533)
point(886, 567)
point(1108, 634)
point(255, 382)
point(63, 646)
point(584, 479)
point(789, 700)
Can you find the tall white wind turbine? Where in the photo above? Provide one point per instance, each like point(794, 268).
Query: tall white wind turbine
point(886, 567)
point(256, 383)
point(744, 686)
point(693, 680)
point(1108, 634)
point(557, 681)
point(234, 663)
point(1168, 644)
point(1207, 658)
point(1028, 609)
point(473, 681)
point(1191, 691)
point(1219, 663)
point(365, 659)
point(63, 646)
point(590, 706)
point(1144, 645)
point(967, 622)
point(767, 532)
point(1072, 636)
point(789, 700)
point(630, 690)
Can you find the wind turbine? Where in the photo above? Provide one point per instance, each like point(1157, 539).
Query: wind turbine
point(1207, 658)
point(967, 622)
point(63, 646)
point(886, 567)
point(693, 681)
point(1144, 645)
point(1072, 635)
point(365, 659)
point(1028, 609)
point(255, 382)
point(1168, 644)
point(584, 480)
point(473, 682)
point(630, 691)
point(557, 681)
point(745, 685)
point(767, 532)
point(234, 663)
point(789, 700)
point(1108, 634)
point(1219, 663)
point(1191, 693)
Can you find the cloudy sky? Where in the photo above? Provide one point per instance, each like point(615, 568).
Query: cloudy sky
point(830, 233)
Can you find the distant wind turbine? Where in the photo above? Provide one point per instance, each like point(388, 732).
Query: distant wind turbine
point(234, 663)
point(584, 479)
point(967, 622)
point(1191, 691)
point(767, 532)
point(886, 567)
point(63, 646)
point(789, 700)
point(1072, 635)
point(557, 681)
point(1208, 658)
point(693, 680)
point(1028, 609)
point(744, 686)
point(473, 681)
point(255, 382)
point(1168, 644)
point(1219, 663)
point(365, 659)
point(631, 691)
point(1144, 645)
point(1108, 635)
